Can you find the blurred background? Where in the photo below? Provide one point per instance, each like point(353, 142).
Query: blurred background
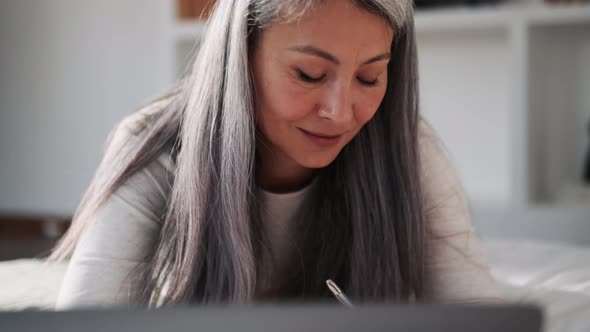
point(505, 83)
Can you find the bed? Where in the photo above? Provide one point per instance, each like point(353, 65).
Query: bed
point(555, 276)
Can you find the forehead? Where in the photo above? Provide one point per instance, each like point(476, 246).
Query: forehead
point(337, 26)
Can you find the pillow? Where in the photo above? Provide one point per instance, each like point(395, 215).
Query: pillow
point(31, 284)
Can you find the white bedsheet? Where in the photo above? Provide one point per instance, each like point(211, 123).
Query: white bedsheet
point(555, 276)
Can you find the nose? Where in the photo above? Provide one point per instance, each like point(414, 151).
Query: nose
point(337, 105)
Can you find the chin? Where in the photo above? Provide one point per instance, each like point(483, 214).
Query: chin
point(317, 161)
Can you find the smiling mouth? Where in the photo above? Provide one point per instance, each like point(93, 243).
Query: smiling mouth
point(322, 140)
point(320, 135)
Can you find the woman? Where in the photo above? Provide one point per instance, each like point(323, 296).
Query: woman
point(292, 154)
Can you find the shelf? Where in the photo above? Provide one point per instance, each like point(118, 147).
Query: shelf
point(461, 18)
point(494, 17)
point(457, 18)
point(558, 15)
point(193, 9)
point(559, 80)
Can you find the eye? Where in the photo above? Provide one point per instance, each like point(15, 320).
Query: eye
point(309, 79)
point(368, 82)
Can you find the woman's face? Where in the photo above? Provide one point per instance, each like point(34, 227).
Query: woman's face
point(319, 80)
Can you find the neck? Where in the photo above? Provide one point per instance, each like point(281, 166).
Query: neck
point(279, 173)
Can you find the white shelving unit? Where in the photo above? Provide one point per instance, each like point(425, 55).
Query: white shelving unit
point(453, 19)
point(504, 16)
point(507, 88)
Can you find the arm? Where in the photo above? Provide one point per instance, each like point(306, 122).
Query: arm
point(456, 270)
point(121, 235)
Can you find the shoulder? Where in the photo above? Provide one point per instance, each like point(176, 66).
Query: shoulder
point(148, 190)
point(430, 145)
point(126, 225)
point(436, 166)
point(151, 183)
point(154, 180)
point(120, 238)
point(145, 193)
point(456, 267)
point(445, 202)
point(135, 126)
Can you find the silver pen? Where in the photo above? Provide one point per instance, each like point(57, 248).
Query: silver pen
point(338, 293)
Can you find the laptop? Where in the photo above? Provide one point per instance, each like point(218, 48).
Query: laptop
point(284, 318)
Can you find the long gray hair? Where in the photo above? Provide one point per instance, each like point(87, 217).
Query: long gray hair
point(363, 224)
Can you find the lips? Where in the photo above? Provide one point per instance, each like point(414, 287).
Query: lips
point(327, 136)
point(321, 139)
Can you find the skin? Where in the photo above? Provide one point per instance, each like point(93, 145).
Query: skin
point(325, 74)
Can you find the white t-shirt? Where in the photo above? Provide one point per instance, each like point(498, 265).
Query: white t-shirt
point(127, 225)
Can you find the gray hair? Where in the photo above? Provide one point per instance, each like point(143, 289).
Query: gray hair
point(368, 200)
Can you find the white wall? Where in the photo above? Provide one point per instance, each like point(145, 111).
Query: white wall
point(466, 92)
point(69, 70)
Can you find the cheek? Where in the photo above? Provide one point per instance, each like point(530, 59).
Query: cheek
point(368, 105)
point(289, 102)
point(282, 106)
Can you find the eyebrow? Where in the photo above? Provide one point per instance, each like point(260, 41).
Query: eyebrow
point(311, 50)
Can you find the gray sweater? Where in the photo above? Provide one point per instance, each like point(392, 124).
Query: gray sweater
point(128, 224)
